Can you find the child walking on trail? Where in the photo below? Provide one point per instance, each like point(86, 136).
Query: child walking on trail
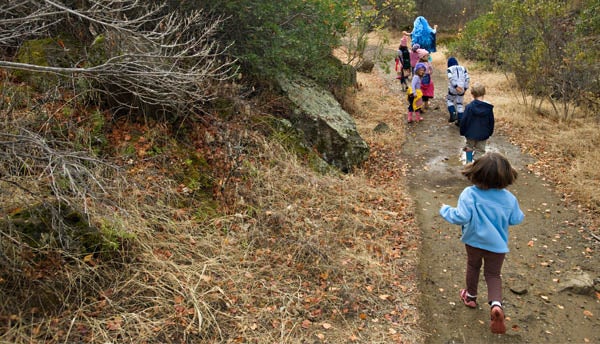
point(426, 81)
point(477, 123)
point(403, 67)
point(485, 210)
point(414, 57)
point(458, 83)
point(415, 95)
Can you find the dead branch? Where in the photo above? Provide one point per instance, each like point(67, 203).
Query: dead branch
point(72, 178)
point(159, 59)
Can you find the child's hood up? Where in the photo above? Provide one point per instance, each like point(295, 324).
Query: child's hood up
point(481, 108)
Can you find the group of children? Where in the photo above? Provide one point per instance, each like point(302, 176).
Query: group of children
point(485, 210)
point(476, 120)
point(415, 65)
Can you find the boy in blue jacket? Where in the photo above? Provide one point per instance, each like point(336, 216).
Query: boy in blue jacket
point(485, 210)
point(477, 124)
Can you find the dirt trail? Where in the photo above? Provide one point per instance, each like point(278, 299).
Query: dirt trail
point(546, 249)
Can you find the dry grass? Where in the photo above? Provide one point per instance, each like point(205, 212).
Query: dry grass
point(293, 257)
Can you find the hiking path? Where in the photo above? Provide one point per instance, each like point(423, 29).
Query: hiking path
point(547, 251)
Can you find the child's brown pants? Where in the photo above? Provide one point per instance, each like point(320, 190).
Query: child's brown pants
point(492, 268)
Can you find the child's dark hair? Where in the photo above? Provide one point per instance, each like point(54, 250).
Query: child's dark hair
point(491, 171)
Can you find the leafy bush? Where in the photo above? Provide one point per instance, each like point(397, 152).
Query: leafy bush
point(270, 37)
point(479, 39)
point(536, 40)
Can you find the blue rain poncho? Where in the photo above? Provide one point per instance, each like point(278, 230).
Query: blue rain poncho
point(423, 34)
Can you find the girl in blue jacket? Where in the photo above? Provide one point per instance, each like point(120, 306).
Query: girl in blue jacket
point(485, 211)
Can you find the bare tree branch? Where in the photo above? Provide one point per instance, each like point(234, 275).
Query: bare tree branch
point(158, 59)
point(20, 20)
point(74, 178)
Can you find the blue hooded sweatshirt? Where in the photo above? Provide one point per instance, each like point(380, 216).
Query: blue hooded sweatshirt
point(485, 216)
point(477, 122)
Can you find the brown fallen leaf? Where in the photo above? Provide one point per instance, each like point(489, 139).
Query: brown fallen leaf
point(306, 323)
point(89, 259)
point(115, 324)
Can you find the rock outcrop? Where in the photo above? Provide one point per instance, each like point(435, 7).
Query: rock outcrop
point(325, 125)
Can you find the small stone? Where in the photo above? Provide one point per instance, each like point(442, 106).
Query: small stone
point(578, 283)
point(518, 285)
point(381, 128)
point(519, 290)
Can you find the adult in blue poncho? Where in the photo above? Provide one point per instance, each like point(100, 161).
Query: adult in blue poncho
point(423, 34)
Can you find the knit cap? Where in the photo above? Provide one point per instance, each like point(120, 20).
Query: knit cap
point(422, 53)
point(452, 62)
point(420, 65)
point(416, 47)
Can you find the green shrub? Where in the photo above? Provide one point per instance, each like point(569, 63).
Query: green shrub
point(273, 37)
point(550, 46)
point(480, 39)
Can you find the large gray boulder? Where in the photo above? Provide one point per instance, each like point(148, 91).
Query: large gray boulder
point(325, 125)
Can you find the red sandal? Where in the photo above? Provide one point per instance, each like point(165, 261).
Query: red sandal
point(469, 301)
point(497, 320)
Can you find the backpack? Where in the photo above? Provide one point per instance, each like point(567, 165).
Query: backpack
point(404, 56)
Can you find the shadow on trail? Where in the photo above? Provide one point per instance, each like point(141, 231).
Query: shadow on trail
point(546, 249)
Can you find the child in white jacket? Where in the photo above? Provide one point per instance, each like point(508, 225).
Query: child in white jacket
point(458, 83)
